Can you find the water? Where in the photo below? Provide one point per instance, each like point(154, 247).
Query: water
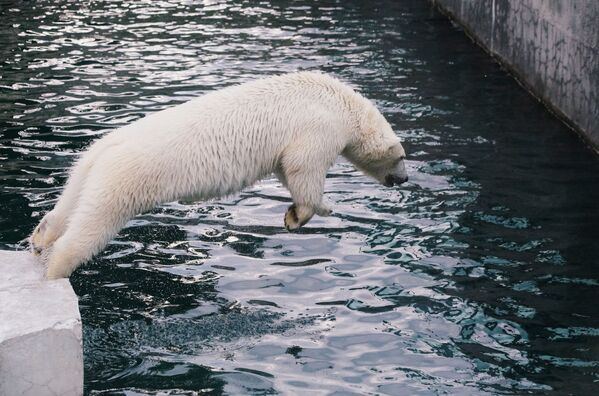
point(480, 276)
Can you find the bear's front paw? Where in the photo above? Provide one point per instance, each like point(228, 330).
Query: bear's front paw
point(323, 210)
point(295, 217)
point(291, 220)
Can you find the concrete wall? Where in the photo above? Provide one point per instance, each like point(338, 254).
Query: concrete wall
point(552, 46)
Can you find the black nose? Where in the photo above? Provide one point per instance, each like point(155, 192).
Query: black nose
point(390, 180)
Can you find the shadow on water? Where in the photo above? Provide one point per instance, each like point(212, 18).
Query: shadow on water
point(477, 277)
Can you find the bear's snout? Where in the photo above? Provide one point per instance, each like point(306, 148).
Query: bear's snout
point(391, 180)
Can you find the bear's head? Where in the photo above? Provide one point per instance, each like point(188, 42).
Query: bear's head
point(376, 150)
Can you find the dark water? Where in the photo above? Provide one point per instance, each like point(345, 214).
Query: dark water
point(480, 276)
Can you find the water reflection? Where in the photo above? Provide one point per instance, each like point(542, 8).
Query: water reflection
point(474, 278)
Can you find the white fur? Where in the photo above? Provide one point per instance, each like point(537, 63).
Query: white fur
point(294, 125)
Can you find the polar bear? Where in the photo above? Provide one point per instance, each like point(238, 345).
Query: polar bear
point(294, 125)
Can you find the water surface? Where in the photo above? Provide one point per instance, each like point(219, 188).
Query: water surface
point(479, 276)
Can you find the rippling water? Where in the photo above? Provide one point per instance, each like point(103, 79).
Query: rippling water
point(480, 276)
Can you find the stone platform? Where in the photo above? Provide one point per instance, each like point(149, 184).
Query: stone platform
point(40, 331)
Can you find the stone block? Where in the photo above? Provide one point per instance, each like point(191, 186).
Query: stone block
point(40, 331)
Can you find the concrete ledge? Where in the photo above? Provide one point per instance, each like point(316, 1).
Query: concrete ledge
point(40, 331)
point(551, 47)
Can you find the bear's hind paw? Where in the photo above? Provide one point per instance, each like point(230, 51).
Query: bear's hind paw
point(36, 240)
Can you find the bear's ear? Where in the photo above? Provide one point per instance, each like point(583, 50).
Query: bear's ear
point(396, 150)
point(369, 122)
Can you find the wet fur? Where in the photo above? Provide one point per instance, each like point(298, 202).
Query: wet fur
point(294, 125)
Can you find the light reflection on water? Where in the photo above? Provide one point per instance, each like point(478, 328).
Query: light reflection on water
point(475, 278)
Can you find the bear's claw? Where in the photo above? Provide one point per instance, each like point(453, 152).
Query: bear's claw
point(291, 219)
point(36, 240)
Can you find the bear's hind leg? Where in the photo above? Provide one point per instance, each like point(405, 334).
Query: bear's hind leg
point(87, 233)
point(98, 217)
point(54, 223)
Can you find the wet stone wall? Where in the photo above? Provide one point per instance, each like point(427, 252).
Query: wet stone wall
point(551, 46)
